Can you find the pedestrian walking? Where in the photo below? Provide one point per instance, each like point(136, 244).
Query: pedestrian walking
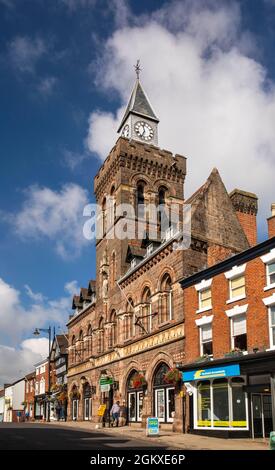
point(115, 410)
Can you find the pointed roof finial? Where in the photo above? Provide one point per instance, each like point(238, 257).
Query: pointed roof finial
point(137, 68)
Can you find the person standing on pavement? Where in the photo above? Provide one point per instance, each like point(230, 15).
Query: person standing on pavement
point(115, 410)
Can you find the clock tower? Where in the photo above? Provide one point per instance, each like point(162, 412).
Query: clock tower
point(139, 121)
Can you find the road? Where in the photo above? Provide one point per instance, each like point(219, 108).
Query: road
point(29, 436)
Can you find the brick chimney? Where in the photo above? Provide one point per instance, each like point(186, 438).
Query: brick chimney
point(271, 222)
point(246, 207)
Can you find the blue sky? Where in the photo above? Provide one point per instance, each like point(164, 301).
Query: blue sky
point(66, 72)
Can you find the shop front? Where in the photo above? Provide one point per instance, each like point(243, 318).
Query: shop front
point(135, 394)
point(232, 398)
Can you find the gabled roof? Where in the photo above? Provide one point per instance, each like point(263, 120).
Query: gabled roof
point(84, 294)
point(135, 252)
point(76, 302)
point(139, 104)
point(92, 286)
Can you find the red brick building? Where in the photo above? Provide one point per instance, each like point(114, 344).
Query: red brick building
point(41, 389)
point(128, 330)
point(30, 394)
point(229, 369)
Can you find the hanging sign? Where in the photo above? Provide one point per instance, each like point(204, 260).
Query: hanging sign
point(106, 380)
point(105, 387)
point(152, 427)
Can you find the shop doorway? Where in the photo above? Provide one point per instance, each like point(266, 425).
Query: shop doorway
point(164, 395)
point(87, 401)
point(134, 399)
point(261, 414)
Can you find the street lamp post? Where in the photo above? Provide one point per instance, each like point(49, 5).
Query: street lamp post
point(37, 332)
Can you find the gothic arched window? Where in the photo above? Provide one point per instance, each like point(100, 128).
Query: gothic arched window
point(113, 330)
point(129, 319)
point(101, 336)
point(146, 311)
point(140, 200)
point(166, 299)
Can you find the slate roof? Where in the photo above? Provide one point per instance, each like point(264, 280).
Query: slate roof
point(139, 104)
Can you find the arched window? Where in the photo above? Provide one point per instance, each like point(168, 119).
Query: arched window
point(146, 312)
point(73, 354)
point(166, 299)
point(100, 348)
point(164, 395)
point(80, 349)
point(113, 330)
point(129, 320)
point(112, 205)
point(104, 217)
point(163, 214)
point(89, 341)
point(113, 269)
point(140, 200)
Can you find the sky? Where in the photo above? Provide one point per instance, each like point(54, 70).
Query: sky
point(66, 73)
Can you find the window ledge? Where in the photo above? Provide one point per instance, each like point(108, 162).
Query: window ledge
point(236, 299)
point(271, 349)
point(270, 286)
point(205, 309)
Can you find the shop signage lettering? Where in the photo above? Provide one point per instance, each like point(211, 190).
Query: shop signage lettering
point(106, 380)
point(215, 372)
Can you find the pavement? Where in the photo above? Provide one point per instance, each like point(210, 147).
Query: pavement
point(166, 439)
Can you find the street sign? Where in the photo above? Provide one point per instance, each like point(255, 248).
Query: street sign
point(105, 387)
point(101, 410)
point(106, 380)
point(152, 428)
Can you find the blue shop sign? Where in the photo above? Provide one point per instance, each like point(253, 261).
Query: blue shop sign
point(211, 373)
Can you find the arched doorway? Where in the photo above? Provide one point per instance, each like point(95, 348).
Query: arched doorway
point(134, 398)
point(75, 402)
point(87, 401)
point(164, 395)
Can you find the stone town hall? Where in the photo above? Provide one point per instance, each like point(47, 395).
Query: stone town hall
point(128, 325)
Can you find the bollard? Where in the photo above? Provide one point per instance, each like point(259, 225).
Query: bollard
point(272, 440)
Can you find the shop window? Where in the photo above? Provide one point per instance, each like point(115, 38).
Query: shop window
point(220, 403)
point(237, 287)
point(206, 339)
point(272, 327)
point(205, 299)
point(239, 337)
point(271, 274)
point(238, 403)
point(203, 404)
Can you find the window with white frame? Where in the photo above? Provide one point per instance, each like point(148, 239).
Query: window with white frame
point(36, 388)
point(42, 386)
point(238, 332)
point(271, 273)
point(237, 287)
point(206, 342)
point(272, 326)
point(205, 299)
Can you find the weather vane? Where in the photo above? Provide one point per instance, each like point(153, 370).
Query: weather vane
point(137, 68)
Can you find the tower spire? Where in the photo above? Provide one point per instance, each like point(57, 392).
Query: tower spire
point(139, 121)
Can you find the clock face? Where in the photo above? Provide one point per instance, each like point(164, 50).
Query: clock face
point(144, 130)
point(126, 131)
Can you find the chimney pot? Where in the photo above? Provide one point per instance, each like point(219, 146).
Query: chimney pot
point(273, 209)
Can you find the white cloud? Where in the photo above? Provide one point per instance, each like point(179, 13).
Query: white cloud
point(53, 215)
point(213, 99)
point(36, 296)
point(17, 362)
point(24, 52)
point(18, 322)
